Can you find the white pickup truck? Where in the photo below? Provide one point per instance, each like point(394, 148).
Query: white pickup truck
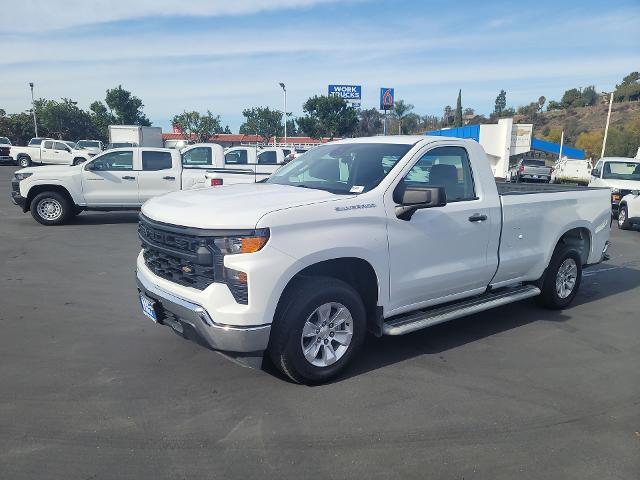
point(123, 179)
point(246, 165)
point(619, 174)
point(49, 151)
point(381, 234)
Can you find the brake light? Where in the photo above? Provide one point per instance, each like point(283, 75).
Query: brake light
point(216, 182)
point(521, 169)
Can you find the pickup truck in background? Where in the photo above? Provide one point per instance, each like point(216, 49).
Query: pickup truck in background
point(48, 151)
point(568, 170)
point(381, 234)
point(118, 179)
point(619, 174)
point(629, 211)
point(94, 147)
point(529, 170)
point(5, 149)
point(245, 165)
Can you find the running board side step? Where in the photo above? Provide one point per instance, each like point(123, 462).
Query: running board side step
point(426, 318)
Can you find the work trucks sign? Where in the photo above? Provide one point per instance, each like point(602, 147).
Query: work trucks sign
point(351, 93)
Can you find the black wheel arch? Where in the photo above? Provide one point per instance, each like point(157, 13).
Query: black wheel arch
point(37, 189)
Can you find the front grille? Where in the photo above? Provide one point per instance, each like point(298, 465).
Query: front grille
point(178, 270)
point(4, 151)
point(15, 187)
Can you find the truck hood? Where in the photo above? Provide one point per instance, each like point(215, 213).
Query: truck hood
point(622, 184)
point(233, 206)
point(50, 171)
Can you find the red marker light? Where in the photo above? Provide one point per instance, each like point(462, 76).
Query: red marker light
point(216, 182)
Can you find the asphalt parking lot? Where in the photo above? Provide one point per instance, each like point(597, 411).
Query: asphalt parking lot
point(91, 389)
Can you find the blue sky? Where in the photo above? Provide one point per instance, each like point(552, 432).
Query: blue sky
point(225, 56)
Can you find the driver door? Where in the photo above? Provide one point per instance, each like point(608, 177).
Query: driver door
point(62, 154)
point(442, 253)
point(111, 181)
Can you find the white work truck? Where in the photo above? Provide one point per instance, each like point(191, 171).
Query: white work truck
point(124, 178)
point(246, 165)
point(49, 152)
point(619, 174)
point(382, 234)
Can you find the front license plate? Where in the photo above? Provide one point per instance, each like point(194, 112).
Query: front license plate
point(148, 307)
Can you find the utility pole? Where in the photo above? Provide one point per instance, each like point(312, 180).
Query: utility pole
point(561, 145)
point(606, 129)
point(284, 89)
point(33, 109)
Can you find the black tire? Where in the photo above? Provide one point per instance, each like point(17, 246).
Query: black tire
point(300, 302)
point(518, 179)
point(623, 218)
point(61, 208)
point(24, 161)
point(77, 161)
point(550, 297)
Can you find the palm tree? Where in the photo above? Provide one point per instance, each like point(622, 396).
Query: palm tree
point(401, 110)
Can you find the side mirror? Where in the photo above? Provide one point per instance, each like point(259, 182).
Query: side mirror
point(635, 192)
point(412, 198)
point(595, 173)
point(90, 166)
point(68, 150)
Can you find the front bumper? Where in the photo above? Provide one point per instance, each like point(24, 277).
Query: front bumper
point(16, 198)
point(6, 159)
point(194, 323)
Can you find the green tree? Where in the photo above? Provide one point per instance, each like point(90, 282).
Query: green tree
point(126, 107)
point(541, 101)
point(629, 89)
point(63, 120)
point(292, 129)
point(589, 96)
point(369, 123)
point(571, 98)
point(411, 124)
point(18, 127)
point(400, 110)
point(447, 116)
point(328, 116)
point(591, 143)
point(553, 105)
point(468, 112)
point(457, 118)
point(193, 125)
point(500, 104)
point(262, 121)
point(101, 118)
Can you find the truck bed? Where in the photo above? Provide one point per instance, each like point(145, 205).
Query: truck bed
point(506, 188)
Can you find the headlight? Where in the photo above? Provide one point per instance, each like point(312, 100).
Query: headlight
point(243, 243)
point(22, 176)
point(615, 190)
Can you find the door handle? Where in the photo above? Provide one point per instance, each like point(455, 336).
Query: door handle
point(476, 217)
point(127, 177)
point(168, 178)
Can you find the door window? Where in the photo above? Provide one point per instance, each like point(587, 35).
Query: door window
point(446, 167)
point(197, 156)
point(60, 146)
point(154, 161)
point(237, 157)
point(122, 160)
point(268, 158)
point(48, 145)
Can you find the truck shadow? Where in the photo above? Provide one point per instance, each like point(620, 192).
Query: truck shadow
point(380, 352)
point(104, 218)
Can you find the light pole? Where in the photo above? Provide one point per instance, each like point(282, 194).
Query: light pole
point(284, 89)
point(33, 109)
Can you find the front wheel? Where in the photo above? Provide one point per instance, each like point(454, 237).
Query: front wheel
point(318, 330)
point(24, 161)
point(623, 218)
point(562, 278)
point(51, 208)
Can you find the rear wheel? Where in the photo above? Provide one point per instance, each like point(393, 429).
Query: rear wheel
point(319, 329)
point(562, 278)
point(623, 218)
point(51, 208)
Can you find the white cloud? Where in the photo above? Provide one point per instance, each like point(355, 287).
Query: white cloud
point(42, 15)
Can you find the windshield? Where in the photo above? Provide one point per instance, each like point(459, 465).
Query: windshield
point(120, 145)
point(533, 163)
point(341, 168)
point(88, 143)
point(621, 171)
point(71, 144)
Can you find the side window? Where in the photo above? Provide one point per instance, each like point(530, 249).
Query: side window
point(446, 167)
point(236, 157)
point(597, 169)
point(153, 161)
point(48, 145)
point(60, 146)
point(267, 158)
point(114, 161)
point(197, 156)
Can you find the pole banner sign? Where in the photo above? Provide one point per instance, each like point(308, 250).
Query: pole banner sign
point(351, 93)
point(386, 98)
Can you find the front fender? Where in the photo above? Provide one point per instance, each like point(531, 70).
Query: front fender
point(74, 193)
